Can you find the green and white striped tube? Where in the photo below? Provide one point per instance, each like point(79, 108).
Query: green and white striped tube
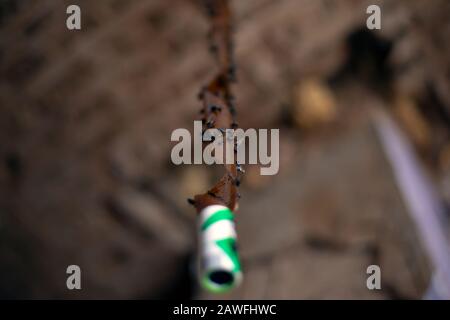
point(219, 266)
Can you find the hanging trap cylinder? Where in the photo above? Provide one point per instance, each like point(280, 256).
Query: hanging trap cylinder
point(219, 267)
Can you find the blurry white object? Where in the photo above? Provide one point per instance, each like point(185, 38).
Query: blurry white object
point(421, 200)
point(219, 266)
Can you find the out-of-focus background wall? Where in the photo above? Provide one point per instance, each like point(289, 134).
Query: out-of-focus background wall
point(85, 124)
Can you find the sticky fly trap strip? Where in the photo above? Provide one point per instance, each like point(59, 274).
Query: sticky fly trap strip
point(219, 266)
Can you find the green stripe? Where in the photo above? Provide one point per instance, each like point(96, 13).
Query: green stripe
point(228, 245)
point(224, 214)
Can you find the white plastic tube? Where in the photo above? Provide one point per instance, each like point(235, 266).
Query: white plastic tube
point(219, 266)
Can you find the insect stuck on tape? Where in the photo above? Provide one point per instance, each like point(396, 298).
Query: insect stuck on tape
point(219, 266)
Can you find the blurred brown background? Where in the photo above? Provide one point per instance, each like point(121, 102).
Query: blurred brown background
point(85, 124)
